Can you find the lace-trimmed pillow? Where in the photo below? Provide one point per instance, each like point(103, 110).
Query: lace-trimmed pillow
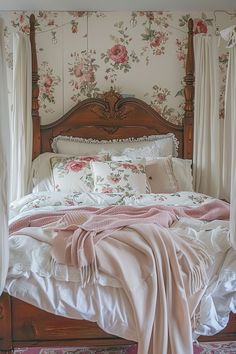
point(119, 177)
point(161, 145)
point(73, 174)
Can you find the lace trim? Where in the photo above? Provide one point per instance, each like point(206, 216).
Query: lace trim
point(94, 141)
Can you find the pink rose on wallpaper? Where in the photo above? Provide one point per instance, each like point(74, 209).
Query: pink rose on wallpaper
point(158, 109)
point(157, 40)
point(118, 53)
point(75, 165)
point(25, 29)
point(148, 14)
point(78, 70)
point(47, 83)
point(51, 22)
point(180, 56)
point(161, 97)
point(21, 18)
point(89, 76)
point(199, 26)
point(77, 85)
point(77, 13)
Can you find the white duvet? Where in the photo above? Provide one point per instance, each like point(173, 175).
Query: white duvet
point(35, 278)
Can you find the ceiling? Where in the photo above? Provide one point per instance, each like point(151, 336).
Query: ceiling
point(118, 5)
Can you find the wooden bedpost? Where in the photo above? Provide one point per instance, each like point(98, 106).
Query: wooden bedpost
point(35, 92)
point(189, 96)
point(5, 324)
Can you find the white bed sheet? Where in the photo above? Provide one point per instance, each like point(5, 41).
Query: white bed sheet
point(35, 278)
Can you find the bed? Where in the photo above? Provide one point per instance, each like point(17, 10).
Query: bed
point(105, 118)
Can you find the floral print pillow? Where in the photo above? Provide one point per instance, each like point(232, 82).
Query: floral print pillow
point(73, 174)
point(119, 177)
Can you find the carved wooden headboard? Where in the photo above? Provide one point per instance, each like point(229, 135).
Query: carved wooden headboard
point(110, 116)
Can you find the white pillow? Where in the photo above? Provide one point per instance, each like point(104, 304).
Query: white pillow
point(41, 173)
point(164, 145)
point(160, 175)
point(183, 173)
point(119, 177)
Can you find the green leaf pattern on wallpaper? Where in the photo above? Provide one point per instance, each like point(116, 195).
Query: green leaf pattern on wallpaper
point(76, 15)
point(200, 24)
point(75, 19)
point(44, 20)
point(159, 101)
point(142, 53)
point(181, 50)
point(156, 31)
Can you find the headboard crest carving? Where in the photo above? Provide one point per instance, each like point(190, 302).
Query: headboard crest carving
point(111, 97)
point(110, 110)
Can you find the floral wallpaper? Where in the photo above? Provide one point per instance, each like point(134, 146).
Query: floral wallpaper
point(82, 54)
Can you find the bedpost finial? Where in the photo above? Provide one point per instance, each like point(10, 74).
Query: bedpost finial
point(190, 25)
point(32, 20)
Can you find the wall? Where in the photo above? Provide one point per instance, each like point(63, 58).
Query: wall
point(82, 54)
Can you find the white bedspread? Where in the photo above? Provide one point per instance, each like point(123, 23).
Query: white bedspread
point(35, 278)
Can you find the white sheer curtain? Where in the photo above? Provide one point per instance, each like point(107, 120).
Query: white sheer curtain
point(233, 206)
point(21, 123)
point(214, 157)
point(207, 154)
point(4, 163)
point(229, 142)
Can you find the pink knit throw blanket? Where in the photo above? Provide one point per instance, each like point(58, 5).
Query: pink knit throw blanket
point(80, 229)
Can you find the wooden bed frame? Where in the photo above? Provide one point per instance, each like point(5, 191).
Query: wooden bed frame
point(107, 117)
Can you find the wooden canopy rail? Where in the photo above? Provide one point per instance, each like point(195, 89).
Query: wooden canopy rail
point(107, 117)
